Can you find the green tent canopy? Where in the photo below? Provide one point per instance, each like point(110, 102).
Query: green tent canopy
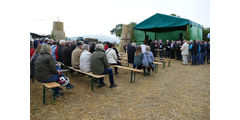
point(160, 26)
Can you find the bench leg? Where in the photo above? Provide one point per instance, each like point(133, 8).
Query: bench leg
point(169, 63)
point(163, 64)
point(134, 76)
point(131, 76)
point(144, 71)
point(156, 67)
point(53, 97)
point(33, 79)
point(44, 89)
point(92, 80)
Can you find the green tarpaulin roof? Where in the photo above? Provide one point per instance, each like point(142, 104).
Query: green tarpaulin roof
point(161, 22)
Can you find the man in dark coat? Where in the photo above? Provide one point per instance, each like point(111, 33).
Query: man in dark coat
point(67, 54)
point(173, 49)
point(167, 45)
point(178, 50)
point(153, 47)
point(59, 50)
point(202, 54)
point(131, 51)
point(194, 50)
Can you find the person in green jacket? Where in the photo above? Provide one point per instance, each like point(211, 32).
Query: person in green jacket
point(46, 70)
point(100, 66)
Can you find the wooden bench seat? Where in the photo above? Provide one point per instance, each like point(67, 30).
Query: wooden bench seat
point(49, 86)
point(133, 71)
point(93, 76)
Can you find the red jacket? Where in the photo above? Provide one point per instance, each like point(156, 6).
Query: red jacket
point(106, 47)
point(56, 53)
point(32, 50)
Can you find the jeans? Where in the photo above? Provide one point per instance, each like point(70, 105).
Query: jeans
point(194, 59)
point(202, 57)
point(110, 72)
point(138, 66)
point(198, 58)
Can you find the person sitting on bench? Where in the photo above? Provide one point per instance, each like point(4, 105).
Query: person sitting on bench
point(138, 57)
point(99, 65)
point(112, 57)
point(46, 70)
point(148, 58)
point(85, 59)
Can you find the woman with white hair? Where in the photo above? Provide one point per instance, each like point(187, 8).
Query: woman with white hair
point(85, 59)
point(148, 59)
point(46, 70)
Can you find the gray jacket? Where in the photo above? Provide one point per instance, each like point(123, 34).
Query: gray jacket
point(45, 67)
point(98, 62)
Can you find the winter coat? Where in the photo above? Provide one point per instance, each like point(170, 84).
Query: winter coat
point(85, 61)
point(138, 59)
point(147, 58)
point(44, 67)
point(111, 56)
point(32, 64)
point(185, 49)
point(59, 53)
point(76, 57)
point(131, 51)
point(98, 62)
point(66, 55)
point(53, 51)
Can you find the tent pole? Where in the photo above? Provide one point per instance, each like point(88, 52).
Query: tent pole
point(155, 36)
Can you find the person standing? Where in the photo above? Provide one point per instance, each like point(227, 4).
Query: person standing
point(185, 52)
point(178, 50)
point(167, 47)
point(173, 49)
point(208, 53)
point(202, 52)
point(131, 51)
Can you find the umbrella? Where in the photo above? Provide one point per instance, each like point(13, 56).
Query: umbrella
point(208, 36)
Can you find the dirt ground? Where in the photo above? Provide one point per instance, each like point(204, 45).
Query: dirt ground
point(174, 93)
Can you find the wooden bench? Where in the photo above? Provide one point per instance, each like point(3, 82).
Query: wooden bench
point(49, 86)
point(157, 63)
point(93, 76)
point(164, 60)
point(133, 71)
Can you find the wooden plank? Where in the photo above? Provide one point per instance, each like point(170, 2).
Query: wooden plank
point(87, 73)
point(51, 85)
point(157, 63)
point(128, 68)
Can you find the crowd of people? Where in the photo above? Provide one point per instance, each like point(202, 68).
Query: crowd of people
point(196, 51)
point(96, 57)
point(88, 57)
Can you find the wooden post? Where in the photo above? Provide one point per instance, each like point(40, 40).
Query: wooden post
point(155, 36)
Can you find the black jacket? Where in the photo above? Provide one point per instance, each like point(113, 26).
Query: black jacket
point(131, 52)
point(59, 52)
point(66, 55)
point(195, 48)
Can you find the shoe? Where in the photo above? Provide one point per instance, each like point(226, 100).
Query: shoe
point(114, 85)
point(101, 85)
point(69, 86)
point(58, 95)
point(58, 88)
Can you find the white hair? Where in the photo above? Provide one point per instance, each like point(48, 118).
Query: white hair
point(100, 46)
point(62, 41)
point(133, 44)
point(85, 47)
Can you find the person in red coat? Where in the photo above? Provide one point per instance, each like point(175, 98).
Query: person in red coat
point(106, 46)
point(32, 50)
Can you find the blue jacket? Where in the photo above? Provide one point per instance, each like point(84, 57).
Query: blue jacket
point(150, 59)
point(53, 51)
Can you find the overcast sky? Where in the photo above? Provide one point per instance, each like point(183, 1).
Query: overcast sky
point(100, 16)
